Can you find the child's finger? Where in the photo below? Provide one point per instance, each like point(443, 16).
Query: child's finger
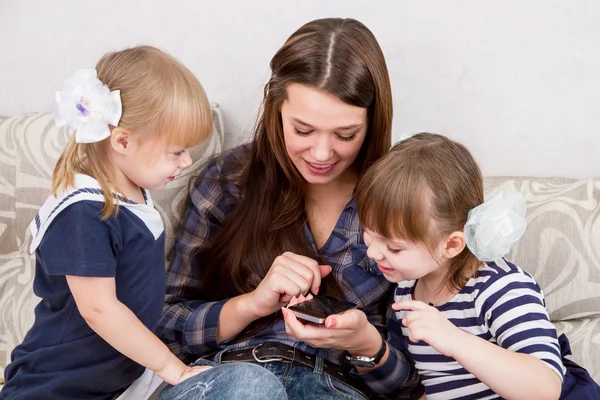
point(410, 317)
point(411, 305)
point(413, 334)
point(199, 368)
point(193, 371)
point(412, 321)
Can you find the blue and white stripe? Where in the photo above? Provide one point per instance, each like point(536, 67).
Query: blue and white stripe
point(502, 304)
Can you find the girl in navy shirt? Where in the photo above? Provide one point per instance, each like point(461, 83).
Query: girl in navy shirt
point(98, 240)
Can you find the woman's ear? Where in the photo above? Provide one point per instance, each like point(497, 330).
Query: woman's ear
point(454, 245)
point(120, 140)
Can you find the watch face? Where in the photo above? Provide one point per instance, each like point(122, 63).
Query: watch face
point(362, 363)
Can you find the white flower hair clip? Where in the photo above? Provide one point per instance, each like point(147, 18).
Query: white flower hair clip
point(88, 106)
point(495, 225)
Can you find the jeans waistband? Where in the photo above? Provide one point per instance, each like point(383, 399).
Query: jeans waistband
point(278, 352)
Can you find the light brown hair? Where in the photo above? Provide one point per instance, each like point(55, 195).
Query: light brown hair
point(161, 98)
point(341, 57)
point(422, 191)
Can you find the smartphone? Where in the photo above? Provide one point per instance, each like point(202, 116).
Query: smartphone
point(317, 309)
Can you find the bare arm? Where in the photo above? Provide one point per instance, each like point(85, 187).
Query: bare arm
point(98, 304)
point(512, 375)
point(235, 317)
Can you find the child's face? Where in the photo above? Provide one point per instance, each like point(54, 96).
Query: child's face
point(400, 260)
point(323, 135)
point(154, 164)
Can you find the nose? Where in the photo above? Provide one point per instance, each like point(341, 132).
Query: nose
point(186, 160)
point(322, 149)
point(374, 252)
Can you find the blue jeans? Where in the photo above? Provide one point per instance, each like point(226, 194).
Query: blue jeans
point(249, 380)
point(227, 382)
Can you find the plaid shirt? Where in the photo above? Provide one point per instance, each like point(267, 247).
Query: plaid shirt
point(189, 324)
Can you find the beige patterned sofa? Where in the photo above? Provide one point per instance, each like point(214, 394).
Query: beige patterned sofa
point(561, 247)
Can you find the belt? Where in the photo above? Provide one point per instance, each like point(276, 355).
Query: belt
point(269, 352)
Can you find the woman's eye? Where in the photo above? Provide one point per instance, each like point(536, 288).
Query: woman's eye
point(302, 133)
point(346, 138)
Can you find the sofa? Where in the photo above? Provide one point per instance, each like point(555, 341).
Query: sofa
point(561, 247)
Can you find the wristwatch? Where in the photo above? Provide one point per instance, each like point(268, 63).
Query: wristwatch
point(368, 362)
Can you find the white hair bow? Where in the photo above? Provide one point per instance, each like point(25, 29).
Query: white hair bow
point(495, 225)
point(88, 106)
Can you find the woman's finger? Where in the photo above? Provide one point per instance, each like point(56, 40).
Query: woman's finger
point(351, 320)
point(316, 272)
point(292, 275)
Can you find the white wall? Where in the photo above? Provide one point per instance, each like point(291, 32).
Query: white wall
point(517, 81)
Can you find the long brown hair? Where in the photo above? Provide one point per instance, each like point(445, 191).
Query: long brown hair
point(160, 98)
point(421, 191)
point(341, 57)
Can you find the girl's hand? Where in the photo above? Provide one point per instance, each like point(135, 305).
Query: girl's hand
point(175, 371)
point(348, 331)
point(426, 323)
point(191, 371)
point(290, 275)
point(172, 371)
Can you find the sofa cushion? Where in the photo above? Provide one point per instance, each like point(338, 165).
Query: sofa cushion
point(9, 240)
point(584, 337)
point(561, 246)
point(29, 147)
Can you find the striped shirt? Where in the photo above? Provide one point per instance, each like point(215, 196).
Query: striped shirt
point(189, 323)
point(502, 304)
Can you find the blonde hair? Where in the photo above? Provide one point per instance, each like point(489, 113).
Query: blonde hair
point(161, 99)
point(421, 191)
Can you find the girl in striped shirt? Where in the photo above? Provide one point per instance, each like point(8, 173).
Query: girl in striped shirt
point(475, 324)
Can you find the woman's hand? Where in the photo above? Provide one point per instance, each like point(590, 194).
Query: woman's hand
point(348, 331)
point(426, 323)
point(290, 275)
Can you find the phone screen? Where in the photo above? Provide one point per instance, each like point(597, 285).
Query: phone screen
point(319, 307)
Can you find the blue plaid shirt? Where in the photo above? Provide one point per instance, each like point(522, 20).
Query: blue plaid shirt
point(189, 323)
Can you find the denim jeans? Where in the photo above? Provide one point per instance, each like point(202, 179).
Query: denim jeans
point(227, 382)
point(249, 380)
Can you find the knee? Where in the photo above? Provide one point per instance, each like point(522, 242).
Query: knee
point(249, 381)
point(228, 381)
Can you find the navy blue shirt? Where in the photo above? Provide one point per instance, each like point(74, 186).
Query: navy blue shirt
point(61, 357)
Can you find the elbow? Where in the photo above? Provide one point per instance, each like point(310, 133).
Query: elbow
point(550, 395)
point(93, 314)
point(552, 390)
point(555, 394)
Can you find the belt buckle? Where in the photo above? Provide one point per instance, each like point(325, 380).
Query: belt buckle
point(263, 359)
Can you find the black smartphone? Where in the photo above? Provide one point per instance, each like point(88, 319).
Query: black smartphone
point(317, 309)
